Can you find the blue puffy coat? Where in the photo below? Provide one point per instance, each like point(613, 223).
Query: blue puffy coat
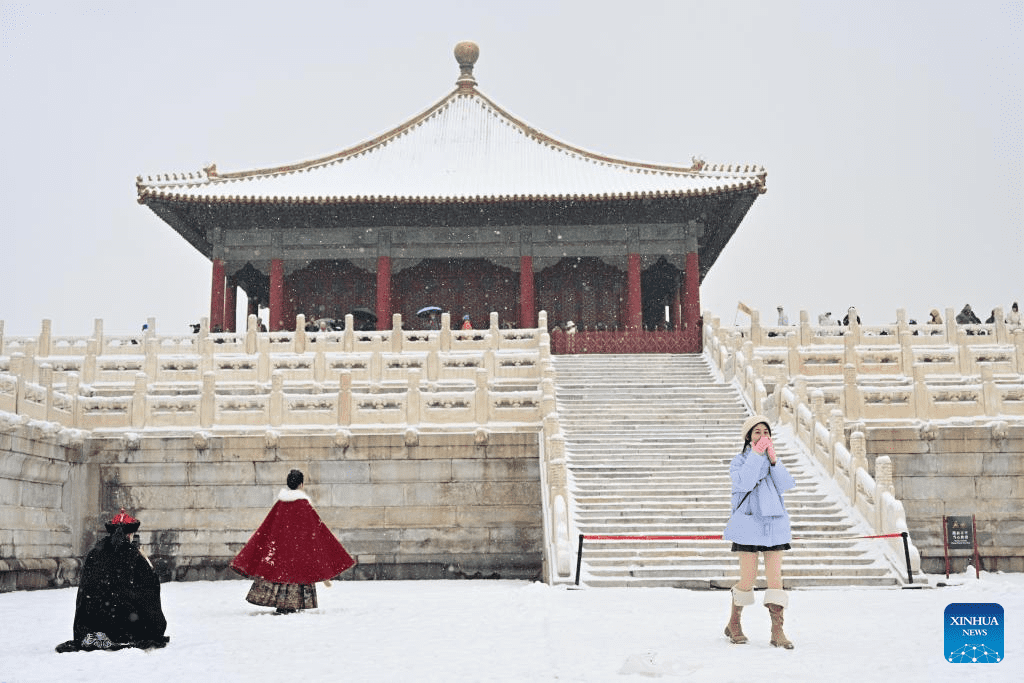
point(766, 483)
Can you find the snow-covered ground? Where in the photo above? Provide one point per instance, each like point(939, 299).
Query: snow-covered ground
point(518, 631)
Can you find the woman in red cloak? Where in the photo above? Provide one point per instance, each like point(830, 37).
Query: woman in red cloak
point(290, 552)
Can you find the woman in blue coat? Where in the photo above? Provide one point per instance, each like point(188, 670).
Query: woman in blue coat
point(759, 524)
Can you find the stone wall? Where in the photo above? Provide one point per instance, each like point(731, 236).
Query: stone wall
point(45, 492)
point(452, 505)
point(947, 469)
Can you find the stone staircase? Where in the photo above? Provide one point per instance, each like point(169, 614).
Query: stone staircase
point(648, 442)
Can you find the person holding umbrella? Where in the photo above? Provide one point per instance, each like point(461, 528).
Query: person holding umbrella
point(433, 316)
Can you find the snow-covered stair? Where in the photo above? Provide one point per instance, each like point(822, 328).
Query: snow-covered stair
point(648, 443)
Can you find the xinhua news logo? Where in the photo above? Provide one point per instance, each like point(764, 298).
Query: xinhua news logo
point(974, 633)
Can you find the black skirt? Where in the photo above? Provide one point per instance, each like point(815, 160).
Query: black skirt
point(741, 548)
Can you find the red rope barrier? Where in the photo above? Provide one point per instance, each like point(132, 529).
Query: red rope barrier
point(603, 537)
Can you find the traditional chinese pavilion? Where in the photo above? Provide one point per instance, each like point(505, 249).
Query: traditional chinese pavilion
point(467, 208)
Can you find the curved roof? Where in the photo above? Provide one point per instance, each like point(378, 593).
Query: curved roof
point(465, 148)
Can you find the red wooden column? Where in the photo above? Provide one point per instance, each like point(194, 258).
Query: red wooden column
point(383, 292)
point(277, 313)
point(230, 304)
point(634, 314)
point(527, 297)
point(217, 296)
point(691, 296)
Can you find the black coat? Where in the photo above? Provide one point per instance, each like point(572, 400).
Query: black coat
point(119, 594)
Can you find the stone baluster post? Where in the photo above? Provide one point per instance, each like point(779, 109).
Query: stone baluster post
point(922, 397)
point(320, 358)
point(793, 356)
point(837, 436)
point(991, 398)
point(208, 401)
point(446, 332)
point(17, 366)
point(348, 337)
point(858, 460)
point(263, 359)
point(45, 339)
point(46, 382)
point(74, 389)
point(481, 398)
point(901, 322)
point(951, 326)
point(963, 353)
point(855, 330)
point(397, 336)
point(806, 333)
point(1018, 344)
point(1002, 334)
point(755, 328)
point(300, 339)
point(800, 390)
point(2, 351)
point(28, 369)
point(818, 409)
point(494, 331)
point(850, 356)
point(851, 393)
point(276, 398)
point(906, 353)
point(551, 425)
point(139, 407)
point(548, 405)
point(150, 365)
point(376, 359)
point(252, 330)
point(413, 399)
point(433, 361)
point(97, 334)
point(345, 399)
point(89, 362)
point(206, 350)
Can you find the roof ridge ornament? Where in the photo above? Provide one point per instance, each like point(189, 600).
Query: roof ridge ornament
point(466, 54)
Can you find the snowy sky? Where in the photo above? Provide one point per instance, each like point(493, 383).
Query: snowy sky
point(891, 132)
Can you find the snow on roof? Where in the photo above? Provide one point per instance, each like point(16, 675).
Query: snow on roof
point(464, 148)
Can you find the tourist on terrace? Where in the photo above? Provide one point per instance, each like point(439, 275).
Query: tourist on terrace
point(966, 316)
point(851, 311)
point(783, 318)
point(118, 603)
point(466, 324)
point(759, 524)
point(290, 552)
point(1013, 318)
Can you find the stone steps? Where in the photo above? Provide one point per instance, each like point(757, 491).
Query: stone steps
point(648, 442)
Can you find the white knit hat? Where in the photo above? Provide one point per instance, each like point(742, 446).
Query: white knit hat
point(752, 422)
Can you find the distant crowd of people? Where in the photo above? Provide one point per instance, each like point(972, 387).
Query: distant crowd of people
point(966, 316)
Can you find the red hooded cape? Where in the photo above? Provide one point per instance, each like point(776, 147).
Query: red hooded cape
point(292, 545)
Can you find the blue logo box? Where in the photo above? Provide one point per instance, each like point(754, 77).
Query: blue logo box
point(974, 633)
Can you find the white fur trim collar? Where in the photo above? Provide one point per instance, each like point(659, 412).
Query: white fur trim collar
point(290, 496)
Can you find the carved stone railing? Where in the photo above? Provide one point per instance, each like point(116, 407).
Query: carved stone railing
point(328, 379)
point(891, 373)
point(824, 436)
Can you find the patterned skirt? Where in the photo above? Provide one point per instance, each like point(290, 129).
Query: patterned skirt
point(284, 596)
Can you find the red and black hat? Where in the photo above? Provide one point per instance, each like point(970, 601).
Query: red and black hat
point(125, 521)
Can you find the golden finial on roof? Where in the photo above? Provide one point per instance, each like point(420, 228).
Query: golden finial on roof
point(466, 54)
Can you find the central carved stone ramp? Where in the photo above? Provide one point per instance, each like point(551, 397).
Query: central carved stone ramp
point(648, 441)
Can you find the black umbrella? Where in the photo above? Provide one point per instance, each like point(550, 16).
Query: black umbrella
point(364, 314)
point(427, 310)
